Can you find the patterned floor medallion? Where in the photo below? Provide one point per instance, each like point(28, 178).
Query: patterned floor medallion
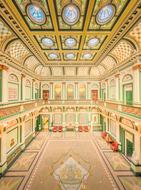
point(71, 172)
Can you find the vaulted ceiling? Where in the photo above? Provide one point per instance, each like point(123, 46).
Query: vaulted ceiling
point(70, 38)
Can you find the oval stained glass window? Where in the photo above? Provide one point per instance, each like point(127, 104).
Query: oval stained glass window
point(93, 42)
point(53, 56)
point(47, 42)
point(70, 56)
point(87, 56)
point(36, 14)
point(71, 14)
point(70, 42)
point(105, 14)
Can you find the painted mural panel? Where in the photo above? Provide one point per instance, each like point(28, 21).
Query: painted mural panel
point(57, 118)
point(28, 127)
point(113, 127)
point(95, 118)
point(12, 91)
point(83, 118)
point(12, 139)
point(70, 118)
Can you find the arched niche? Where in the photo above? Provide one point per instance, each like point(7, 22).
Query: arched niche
point(13, 88)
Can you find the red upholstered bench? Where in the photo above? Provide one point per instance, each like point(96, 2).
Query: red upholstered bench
point(60, 128)
point(54, 129)
point(80, 129)
point(86, 128)
point(104, 134)
point(114, 146)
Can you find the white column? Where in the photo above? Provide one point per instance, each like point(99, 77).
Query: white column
point(88, 91)
point(23, 133)
point(117, 93)
point(76, 90)
point(23, 86)
point(51, 90)
point(64, 91)
point(107, 89)
point(99, 91)
point(33, 89)
point(136, 84)
point(4, 84)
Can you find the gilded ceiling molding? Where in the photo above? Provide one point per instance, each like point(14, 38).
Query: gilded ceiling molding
point(3, 67)
point(137, 67)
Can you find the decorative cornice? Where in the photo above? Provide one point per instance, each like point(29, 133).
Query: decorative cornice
point(117, 75)
point(3, 67)
point(23, 75)
point(137, 67)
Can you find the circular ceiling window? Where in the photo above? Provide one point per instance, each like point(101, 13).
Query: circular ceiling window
point(87, 56)
point(70, 56)
point(53, 56)
point(70, 42)
point(71, 14)
point(47, 42)
point(36, 14)
point(105, 14)
point(93, 42)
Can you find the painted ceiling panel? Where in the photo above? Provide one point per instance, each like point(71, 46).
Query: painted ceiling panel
point(40, 18)
point(17, 50)
point(62, 25)
point(94, 72)
point(31, 63)
point(123, 51)
point(135, 34)
point(83, 71)
point(105, 14)
point(38, 69)
point(70, 71)
point(5, 32)
point(45, 72)
point(57, 71)
point(70, 38)
point(108, 62)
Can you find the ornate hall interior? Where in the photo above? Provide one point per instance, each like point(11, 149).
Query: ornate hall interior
point(70, 94)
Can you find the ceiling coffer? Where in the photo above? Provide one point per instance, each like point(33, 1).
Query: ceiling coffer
point(71, 11)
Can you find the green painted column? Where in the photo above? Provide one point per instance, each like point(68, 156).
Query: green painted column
point(40, 90)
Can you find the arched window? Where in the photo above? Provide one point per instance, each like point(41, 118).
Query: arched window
point(70, 91)
point(103, 91)
point(127, 82)
point(94, 92)
point(13, 88)
point(45, 91)
point(27, 90)
point(82, 91)
point(112, 89)
point(57, 90)
point(36, 91)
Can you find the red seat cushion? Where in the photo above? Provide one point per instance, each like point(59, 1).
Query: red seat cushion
point(60, 128)
point(80, 128)
point(54, 129)
point(115, 146)
point(104, 134)
point(86, 129)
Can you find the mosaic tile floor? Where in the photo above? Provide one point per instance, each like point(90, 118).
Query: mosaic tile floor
point(117, 161)
point(131, 182)
point(24, 162)
point(75, 157)
point(10, 183)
